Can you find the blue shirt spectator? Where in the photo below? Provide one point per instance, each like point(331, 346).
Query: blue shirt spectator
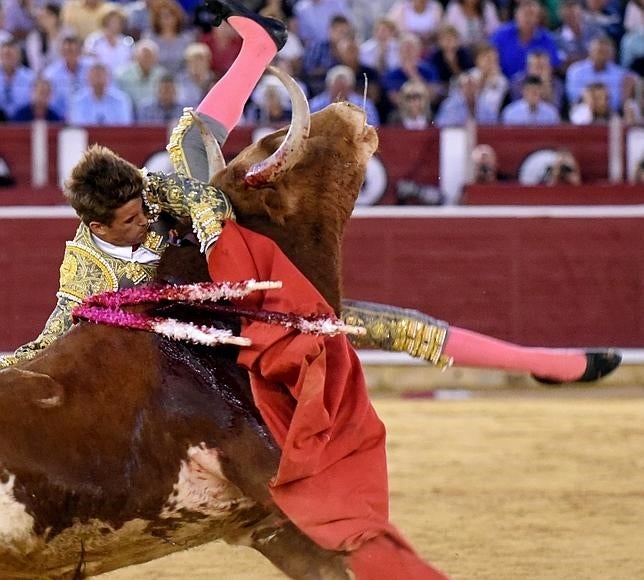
point(67, 74)
point(464, 102)
point(40, 106)
point(340, 83)
point(313, 18)
point(531, 109)
point(597, 68)
point(16, 80)
point(101, 103)
point(320, 56)
point(410, 54)
point(515, 40)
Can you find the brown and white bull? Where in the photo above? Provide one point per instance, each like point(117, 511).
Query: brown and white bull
point(120, 446)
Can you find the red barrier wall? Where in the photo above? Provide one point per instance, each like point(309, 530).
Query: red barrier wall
point(513, 194)
point(555, 281)
point(409, 155)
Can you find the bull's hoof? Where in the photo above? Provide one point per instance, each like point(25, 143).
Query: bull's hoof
point(224, 9)
point(598, 365)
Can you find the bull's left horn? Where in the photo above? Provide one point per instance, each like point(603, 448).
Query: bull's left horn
point(291, 149)
point(216, 161)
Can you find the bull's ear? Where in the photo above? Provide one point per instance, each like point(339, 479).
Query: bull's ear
point(277, 205)
point(33, 388)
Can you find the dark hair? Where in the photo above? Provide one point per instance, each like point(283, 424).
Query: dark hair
point(100, 183)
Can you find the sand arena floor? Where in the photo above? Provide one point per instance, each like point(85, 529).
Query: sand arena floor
point(495, 488)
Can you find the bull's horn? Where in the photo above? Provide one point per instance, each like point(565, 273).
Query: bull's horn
point(216, 161)
point(291, 149)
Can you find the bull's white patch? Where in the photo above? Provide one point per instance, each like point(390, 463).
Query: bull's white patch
point(202, 487)
point(16, 525)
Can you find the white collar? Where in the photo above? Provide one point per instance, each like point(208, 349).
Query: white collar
point(142, 254)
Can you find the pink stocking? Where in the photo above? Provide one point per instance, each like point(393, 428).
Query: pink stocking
point(225, 101)
point(477, 350)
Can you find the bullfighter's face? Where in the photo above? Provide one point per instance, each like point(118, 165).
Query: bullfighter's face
point(128, 228)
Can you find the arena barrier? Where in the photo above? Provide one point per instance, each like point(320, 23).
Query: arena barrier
point(406, 168)
point(561, 276)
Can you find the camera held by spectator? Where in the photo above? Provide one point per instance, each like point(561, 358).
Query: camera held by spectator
point(563, 171)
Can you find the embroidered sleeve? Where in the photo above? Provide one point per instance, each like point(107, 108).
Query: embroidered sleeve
point(183, 196)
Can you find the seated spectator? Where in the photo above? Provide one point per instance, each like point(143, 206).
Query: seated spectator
point(313, 18)
point(464, 103)
point(16, 80)
point(196, 79)
point(413, 111)
point(39, 108)
point(381, 51)
point(109, 45)
point(514, 40)
point(553, 90)
point(594, 106)
point(599, 67)
point(422, 17)
point(451, 58)
point(137, 13)
point(18, 19)
point(367, 78)
point(606, 15)
point(493, 86)
point(164, 107)
point(563, 171)
point(340, 86)
point(168, 30)
point(67, 75)
point(42, 45)
point(475, 20)
point(269, 103)
point(412, 67)
point(575, 33)
point(366, 14)
point(140, 78)
point(82, 16)
point(485, 166)
point(101, 102)
point(531, 109)
point(320, 56)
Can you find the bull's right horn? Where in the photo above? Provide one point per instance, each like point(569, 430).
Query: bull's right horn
point(291, 149)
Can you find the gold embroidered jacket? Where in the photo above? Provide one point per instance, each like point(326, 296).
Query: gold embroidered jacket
point(87, 270)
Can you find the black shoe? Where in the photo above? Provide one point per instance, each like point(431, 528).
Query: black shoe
point(224, 9)
point(598, 364)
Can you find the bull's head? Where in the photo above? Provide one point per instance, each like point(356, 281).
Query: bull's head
point(299, 186)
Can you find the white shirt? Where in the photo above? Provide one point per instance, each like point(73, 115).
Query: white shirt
point(142, 255)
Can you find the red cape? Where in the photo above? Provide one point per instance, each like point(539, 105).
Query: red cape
point(310, 390)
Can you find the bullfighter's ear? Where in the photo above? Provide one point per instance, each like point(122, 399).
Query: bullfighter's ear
point(33, 388)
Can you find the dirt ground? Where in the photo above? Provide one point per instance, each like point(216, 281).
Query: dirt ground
point(494, 488)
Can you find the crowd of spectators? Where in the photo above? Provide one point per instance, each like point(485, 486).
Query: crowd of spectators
point(408, 62)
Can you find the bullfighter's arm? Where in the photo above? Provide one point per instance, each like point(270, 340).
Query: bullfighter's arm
point(82, 273)
point(57, 324)
point(397, 330)
point(183, 196)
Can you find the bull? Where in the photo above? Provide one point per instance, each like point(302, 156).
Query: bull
point(120, 446)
